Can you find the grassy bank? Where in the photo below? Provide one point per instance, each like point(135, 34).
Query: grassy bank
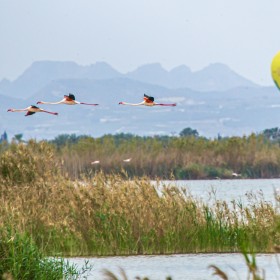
point(114, 215)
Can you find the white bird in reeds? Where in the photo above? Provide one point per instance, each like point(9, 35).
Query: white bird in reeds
point(32, 109)
point(95, 162)
point(68, 100)
point(127, 160)
point(236, 174)
point(148, 101)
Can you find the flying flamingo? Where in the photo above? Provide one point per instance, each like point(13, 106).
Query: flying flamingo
point(148, 101)
point(31, 110)
point(127, 160)
point(68, 100)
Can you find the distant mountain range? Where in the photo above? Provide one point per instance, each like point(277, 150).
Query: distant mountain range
point(214, 100)
point(215, 77)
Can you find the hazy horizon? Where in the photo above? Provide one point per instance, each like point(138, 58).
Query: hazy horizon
point(127, 34)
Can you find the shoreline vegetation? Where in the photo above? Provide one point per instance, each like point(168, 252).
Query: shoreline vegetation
point(100, 213)
point(168, 157)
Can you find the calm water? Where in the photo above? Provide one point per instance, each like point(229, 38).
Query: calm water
point(180, 267)
point(228, 190)
point(195, 266)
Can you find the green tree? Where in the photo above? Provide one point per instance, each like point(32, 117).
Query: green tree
point(18, 138)
point(189, 132)
point(272, 133)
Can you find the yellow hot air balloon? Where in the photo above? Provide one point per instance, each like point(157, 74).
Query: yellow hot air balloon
point(275, 69)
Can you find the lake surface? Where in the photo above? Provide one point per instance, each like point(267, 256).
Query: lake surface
point(180, 267)
point(227, 190)
point(195, 266)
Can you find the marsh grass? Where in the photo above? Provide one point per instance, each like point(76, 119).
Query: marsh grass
point(118, 215)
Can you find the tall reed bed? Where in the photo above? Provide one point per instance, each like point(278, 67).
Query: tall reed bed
point(115, 215)
point(165, 157)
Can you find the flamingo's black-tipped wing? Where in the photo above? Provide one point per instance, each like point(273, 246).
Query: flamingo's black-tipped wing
point(72, 96)
point(29, 113)
point(34, 107)
point(149, 97)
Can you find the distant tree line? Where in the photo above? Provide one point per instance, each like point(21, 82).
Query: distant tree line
point(64, 139)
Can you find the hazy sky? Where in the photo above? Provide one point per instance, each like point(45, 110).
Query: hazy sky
point(244, 34)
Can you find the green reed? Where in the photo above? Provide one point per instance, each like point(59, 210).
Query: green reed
point(20, 258)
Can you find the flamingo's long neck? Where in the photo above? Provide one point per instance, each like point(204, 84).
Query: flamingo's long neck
point(19, 110)
point(132, 104)
point(53, 103)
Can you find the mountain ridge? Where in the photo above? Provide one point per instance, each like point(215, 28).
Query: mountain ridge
point(213, 77)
